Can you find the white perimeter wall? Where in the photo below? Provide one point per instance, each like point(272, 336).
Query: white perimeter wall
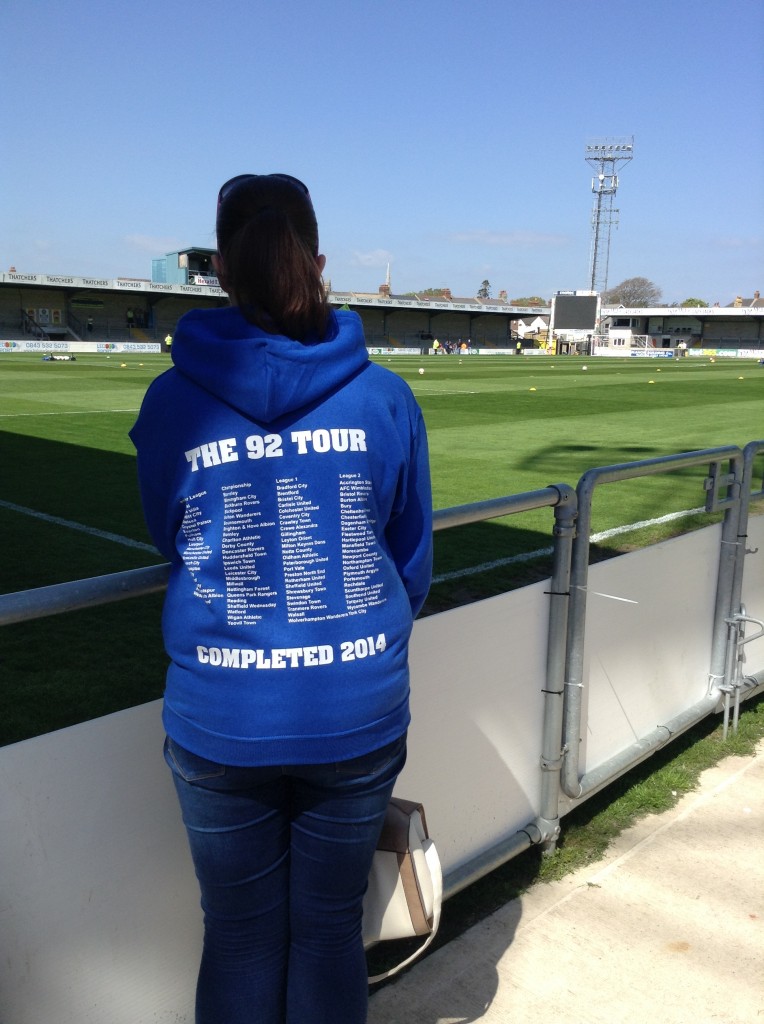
point(99, 918)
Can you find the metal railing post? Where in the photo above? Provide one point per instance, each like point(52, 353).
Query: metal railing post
point(750, 452)
point(728, 553)
point(734, 680)
point(565, 514)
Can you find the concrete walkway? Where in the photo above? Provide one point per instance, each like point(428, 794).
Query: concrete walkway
point(667, 929)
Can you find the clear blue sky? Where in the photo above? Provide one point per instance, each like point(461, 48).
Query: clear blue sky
point(444, 138)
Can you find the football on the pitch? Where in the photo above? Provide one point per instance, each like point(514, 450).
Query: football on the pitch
point(421, 370)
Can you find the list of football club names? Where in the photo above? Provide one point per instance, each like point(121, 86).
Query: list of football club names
point(245, 543)
point(248, 538)
point(305, 555)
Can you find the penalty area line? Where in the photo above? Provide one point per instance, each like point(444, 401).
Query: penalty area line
point(91, 531)
point(528, 556)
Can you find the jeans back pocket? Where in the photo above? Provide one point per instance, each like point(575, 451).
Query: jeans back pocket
point(190, 767)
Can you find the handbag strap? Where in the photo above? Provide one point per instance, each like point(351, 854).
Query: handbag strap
point(433, 864)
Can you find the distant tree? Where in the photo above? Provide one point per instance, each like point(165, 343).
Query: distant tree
point(484, 291)
point(433, 291)
point(634, 291)
point(534, 300)
point(693, 302)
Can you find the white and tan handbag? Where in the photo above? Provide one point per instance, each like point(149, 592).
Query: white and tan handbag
point(405, 890)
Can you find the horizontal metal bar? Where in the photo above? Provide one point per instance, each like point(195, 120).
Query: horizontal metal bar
point(489, 860)
point(646, 467)
point(605, 773)
point(78, 594)
point(460, 515)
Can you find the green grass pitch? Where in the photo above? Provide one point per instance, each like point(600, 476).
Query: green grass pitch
point(496, 425)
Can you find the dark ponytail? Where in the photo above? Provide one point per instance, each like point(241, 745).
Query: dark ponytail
point(268, 242)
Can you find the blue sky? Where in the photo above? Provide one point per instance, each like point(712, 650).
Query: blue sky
point(446, 139)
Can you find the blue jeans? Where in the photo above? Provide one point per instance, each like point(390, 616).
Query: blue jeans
point(283, 856)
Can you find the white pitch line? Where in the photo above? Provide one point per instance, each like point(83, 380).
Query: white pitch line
point(528, 556)
point(668, 518)
point(64, 412)
point(127, 542)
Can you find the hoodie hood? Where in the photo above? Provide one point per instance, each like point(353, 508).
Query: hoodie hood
point(265, 376)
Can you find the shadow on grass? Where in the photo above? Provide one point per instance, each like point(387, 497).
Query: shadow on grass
point(65, 669)
point(90, 486)
point(72, 668)
point(561, 457)
point(481, 560)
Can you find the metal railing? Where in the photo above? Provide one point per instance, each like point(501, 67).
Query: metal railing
point(88, 593)
point(724, 494)
point(26, 605)
point(729, 490)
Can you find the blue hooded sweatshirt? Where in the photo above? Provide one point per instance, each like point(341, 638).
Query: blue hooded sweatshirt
point(288, 484)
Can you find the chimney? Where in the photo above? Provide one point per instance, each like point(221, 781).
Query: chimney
point(384, 289)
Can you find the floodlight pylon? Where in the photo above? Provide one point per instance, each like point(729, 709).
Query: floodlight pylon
point(605, 156)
